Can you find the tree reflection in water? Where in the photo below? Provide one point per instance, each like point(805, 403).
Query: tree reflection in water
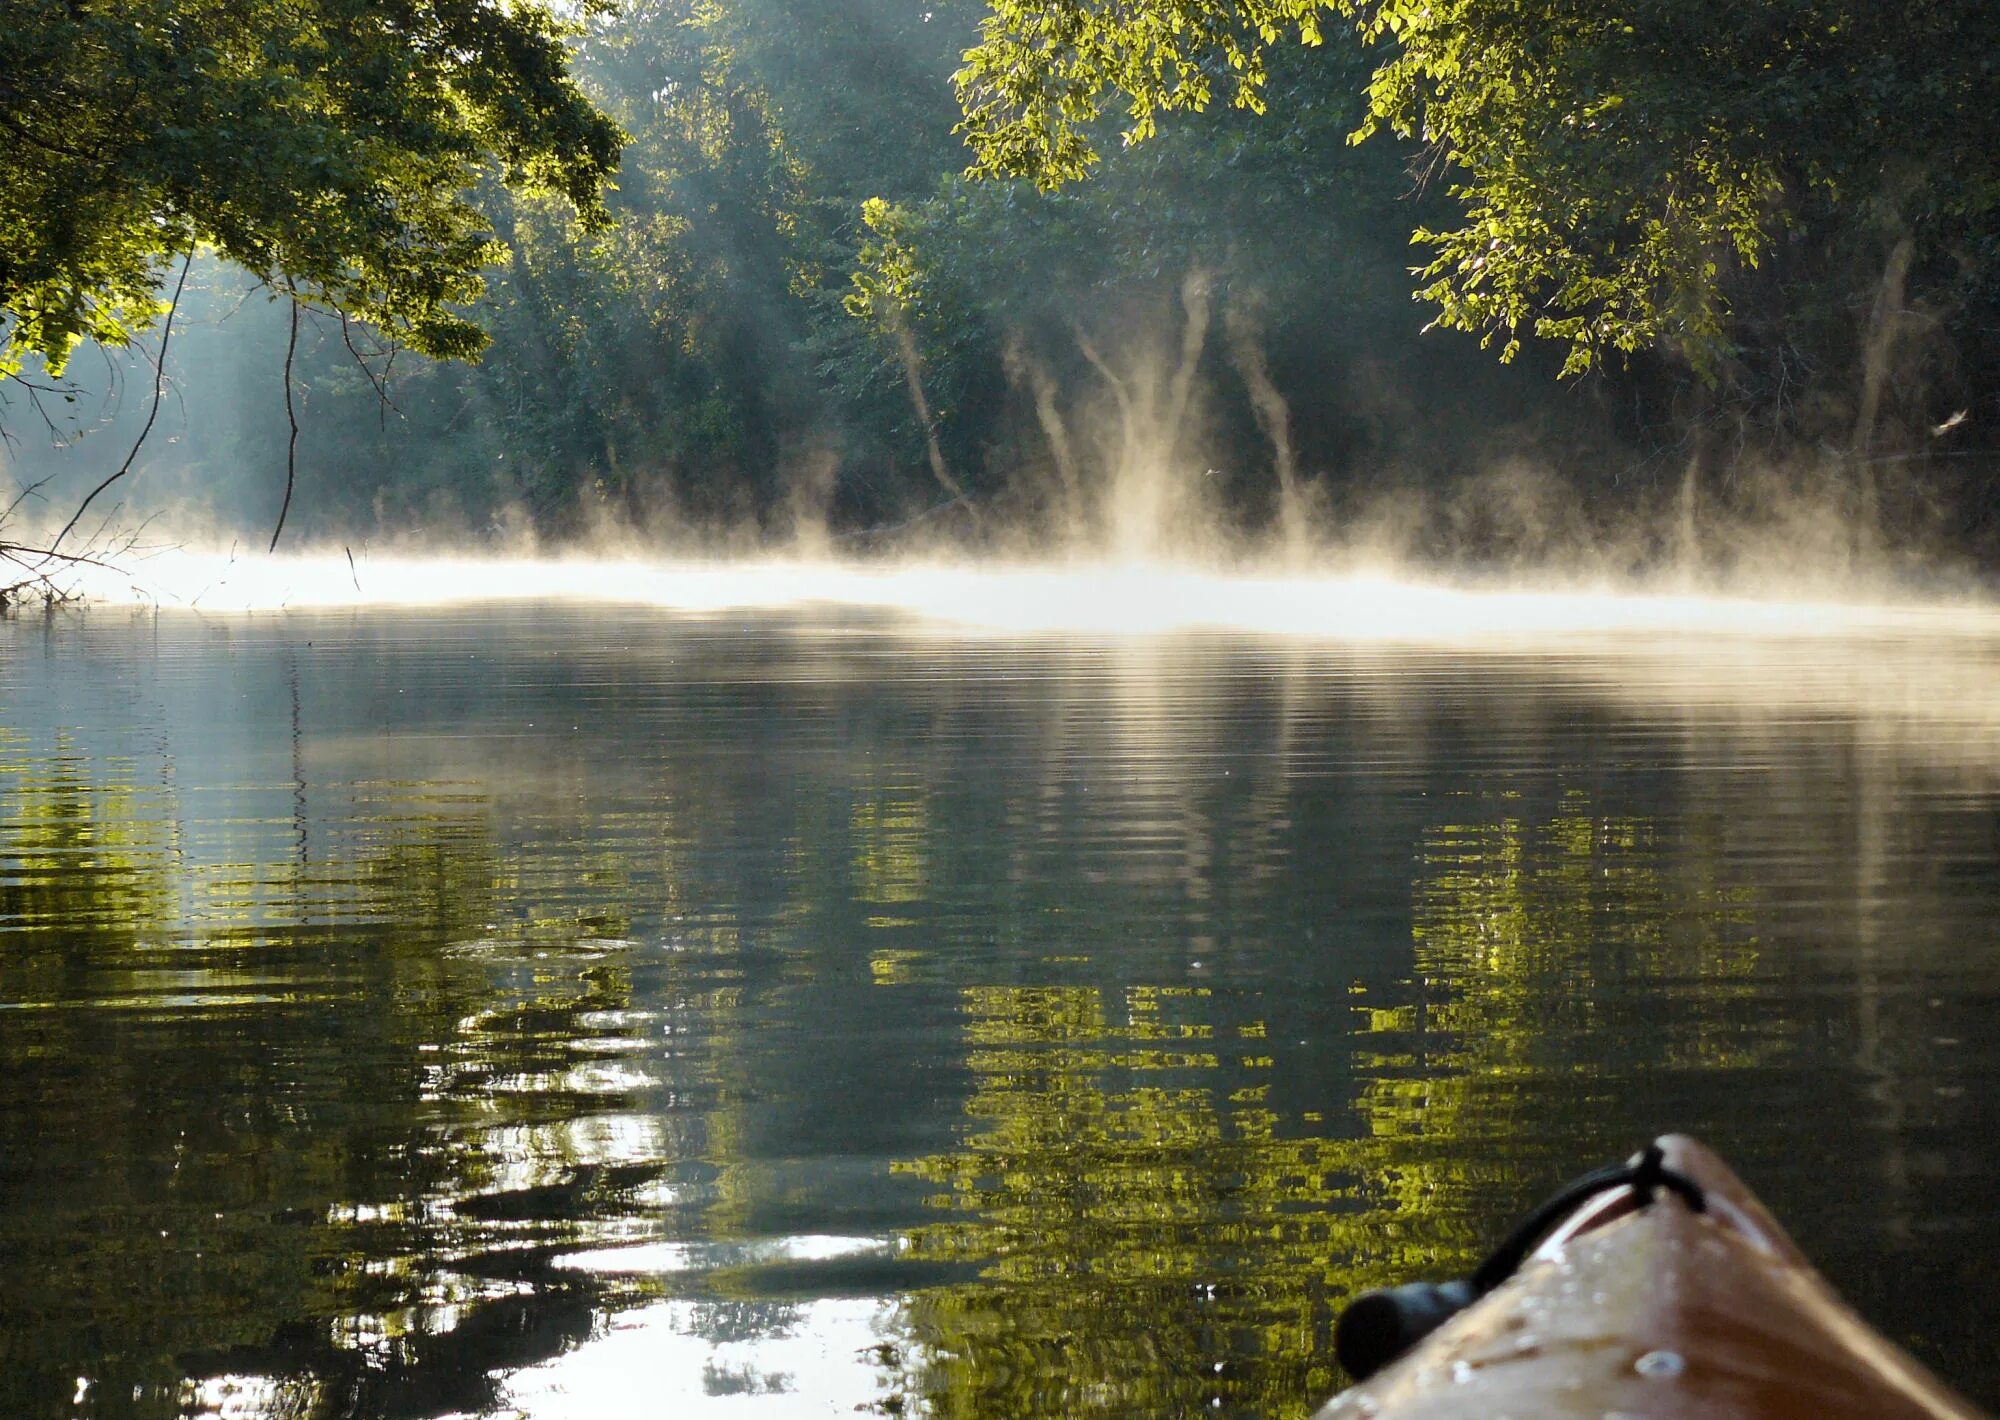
point(798, 1021)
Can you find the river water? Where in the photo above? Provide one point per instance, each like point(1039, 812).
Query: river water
point(586, 1011)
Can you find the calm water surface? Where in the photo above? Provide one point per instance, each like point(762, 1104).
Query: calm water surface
point(600, 1013)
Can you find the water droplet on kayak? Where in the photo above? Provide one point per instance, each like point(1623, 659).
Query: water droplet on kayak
point(1660, 1365)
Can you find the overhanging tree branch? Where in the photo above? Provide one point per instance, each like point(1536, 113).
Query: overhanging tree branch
point(292, 417)
point(159, 391)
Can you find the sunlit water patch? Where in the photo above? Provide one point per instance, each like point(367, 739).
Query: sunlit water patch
point(539, 1010)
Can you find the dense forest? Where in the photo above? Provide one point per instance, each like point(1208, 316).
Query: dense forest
point(1491, 279)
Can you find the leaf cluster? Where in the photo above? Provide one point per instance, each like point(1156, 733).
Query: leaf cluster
point(1617, 168)
point(1037, 83)
point(324, 145)
point(1622, 168)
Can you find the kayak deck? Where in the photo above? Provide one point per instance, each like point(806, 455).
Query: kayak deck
point(1663, 1308)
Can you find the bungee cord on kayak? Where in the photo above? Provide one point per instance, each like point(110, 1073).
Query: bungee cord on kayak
point(1380, 1326)
point(1611, 1300)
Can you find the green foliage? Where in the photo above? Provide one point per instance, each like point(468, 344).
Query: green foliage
point(1037, 81)
point(681, 360)
point(887, 276)
point(1617, 167)
point(795, 285)
point(325, 145)
point(998, 278)
point(637, 358)
point(788, 171)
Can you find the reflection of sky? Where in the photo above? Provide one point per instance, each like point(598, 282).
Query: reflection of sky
point(654, 1259)
point(826, 1357)
point(822, 1357)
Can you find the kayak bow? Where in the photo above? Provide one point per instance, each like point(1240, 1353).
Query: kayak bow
point(1660, 1290)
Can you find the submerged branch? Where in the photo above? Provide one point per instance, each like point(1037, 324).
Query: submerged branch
point(38, 568)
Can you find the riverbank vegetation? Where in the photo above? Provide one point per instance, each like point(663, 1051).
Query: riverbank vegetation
point(1488, 279)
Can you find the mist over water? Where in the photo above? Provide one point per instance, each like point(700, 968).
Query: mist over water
point(1132, 528)
point(1153, 438)
point(1082, 595)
